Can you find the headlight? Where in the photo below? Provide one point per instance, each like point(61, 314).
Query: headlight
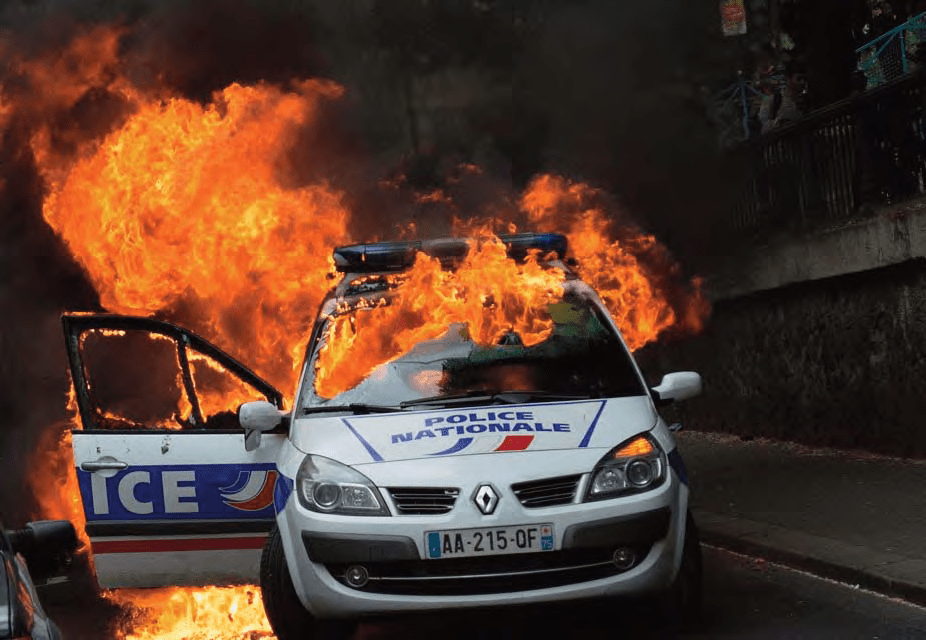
point(634, 466)
point(331, 487)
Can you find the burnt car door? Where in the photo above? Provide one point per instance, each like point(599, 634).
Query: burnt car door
point(171, 495)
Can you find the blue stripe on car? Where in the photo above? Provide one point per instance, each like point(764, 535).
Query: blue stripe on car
point(369, 447)
point(676, 462)
point(588, 434)
point(281, 492)
point(461, 444)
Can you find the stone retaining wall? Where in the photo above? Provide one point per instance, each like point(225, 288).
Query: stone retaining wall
point(837, 361)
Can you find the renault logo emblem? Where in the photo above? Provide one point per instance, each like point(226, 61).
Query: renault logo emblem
point(486, 498)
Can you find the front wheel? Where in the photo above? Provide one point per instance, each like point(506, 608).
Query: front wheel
point(288, 618)
point(683, 600)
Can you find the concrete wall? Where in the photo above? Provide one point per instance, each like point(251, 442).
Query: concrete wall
point(820, 340)
point(893, 236)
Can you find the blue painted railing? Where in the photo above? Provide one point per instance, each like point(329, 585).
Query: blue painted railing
point(738, 97)
point(889, 56)
point(736, 106)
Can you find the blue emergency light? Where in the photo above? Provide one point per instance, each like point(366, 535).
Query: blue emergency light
point(396, 256)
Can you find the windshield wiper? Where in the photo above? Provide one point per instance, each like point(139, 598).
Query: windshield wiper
point(353, 407)
point(484, 396)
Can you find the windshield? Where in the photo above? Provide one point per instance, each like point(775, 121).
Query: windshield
point(582, 357)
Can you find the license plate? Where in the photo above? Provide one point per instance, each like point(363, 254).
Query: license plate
point(489, 541)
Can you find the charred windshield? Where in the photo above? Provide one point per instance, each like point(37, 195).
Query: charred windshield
point(582, 357)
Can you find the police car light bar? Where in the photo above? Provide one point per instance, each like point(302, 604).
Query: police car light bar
point(396, 256)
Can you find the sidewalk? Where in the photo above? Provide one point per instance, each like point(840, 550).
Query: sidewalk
point(850, 516)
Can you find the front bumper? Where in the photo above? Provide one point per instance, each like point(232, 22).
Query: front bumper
point(320, 549)
point(396, 568)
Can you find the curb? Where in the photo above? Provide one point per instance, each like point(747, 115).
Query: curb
point(857, 566)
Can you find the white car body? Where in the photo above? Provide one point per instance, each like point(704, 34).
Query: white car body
point(554, 454)
point(195, 506)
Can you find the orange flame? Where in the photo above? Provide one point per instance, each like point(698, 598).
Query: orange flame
point(55, 489)
point(489, 293)
point(207, 613)
point(611, 266)
point(183, 206)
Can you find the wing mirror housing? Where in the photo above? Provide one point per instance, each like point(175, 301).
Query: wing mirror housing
point(256, 418)
point(47, 546)
point(680, 385)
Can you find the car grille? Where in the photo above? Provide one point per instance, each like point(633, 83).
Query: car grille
point(547, 492)
point(493, 574)
point(423, 500)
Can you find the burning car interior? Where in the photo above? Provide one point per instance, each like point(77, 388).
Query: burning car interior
point(579, 358)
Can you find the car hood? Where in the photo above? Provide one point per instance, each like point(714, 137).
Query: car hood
point(466, 431)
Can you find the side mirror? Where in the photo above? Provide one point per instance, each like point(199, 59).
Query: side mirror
point(256, 418)
point(680, 385)
point(46, 545)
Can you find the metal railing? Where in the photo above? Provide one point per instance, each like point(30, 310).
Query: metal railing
point(892, 54)
point(735, 109)
point(830, 167)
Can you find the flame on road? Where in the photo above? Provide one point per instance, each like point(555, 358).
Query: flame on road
point(207, 613)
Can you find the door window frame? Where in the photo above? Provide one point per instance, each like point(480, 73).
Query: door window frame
point(76, 325)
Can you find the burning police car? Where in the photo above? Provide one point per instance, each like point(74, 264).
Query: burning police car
point(466, 475)
point(534, 468)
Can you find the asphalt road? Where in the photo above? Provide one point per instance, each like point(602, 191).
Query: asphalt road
point(744, 599)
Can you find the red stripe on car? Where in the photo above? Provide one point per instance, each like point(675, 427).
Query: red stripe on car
point(515, 443)
point(262, 500)
point(177, 544)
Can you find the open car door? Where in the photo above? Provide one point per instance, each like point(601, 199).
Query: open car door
point(170, 494)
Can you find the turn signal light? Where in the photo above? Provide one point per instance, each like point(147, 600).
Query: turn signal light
point(639, 447)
